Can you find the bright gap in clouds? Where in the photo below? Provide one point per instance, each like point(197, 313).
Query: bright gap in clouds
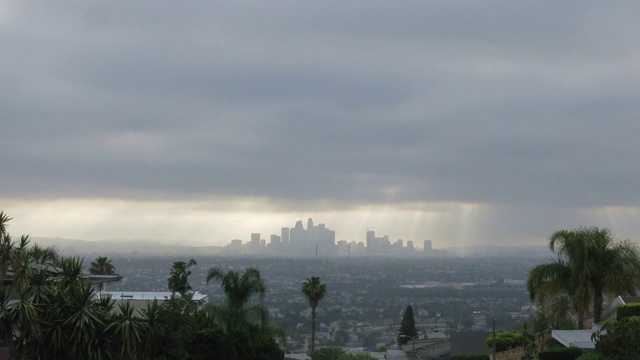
point(217, 221)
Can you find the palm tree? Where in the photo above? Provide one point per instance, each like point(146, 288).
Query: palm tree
point(314, 291)
point(6, 246)
point(44, 256)
point(239, 289)
point(7, 250)
point(102, 266)
point(588, 264)
point(4, 219)
point(6, 323)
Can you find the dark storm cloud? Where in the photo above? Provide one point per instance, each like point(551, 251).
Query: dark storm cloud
point(490, 102)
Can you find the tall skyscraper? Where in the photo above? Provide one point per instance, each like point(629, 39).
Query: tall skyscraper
point(427, 245)
point(255, 240)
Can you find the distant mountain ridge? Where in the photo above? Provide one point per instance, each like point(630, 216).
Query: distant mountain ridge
point(499, 250)
point(142, 247)
point(121, 246)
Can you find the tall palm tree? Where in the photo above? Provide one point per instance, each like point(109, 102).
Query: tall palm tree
point(239, 289)
point(588, 264)
point(314, 290)
point(102, 266)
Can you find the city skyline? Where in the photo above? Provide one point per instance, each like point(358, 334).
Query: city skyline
point(320, 240)
point(468, 123)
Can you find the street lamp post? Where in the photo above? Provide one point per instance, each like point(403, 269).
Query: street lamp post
point(493, 318)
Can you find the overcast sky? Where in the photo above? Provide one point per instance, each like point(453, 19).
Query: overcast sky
point(463, 122)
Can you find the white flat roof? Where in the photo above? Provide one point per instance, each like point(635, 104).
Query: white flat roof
point(146, 295)
point(577, 338)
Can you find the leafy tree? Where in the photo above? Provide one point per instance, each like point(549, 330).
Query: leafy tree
point(505, 340)
point(618, 338)
point(341, 337)
point(314, 290)
point(179, 277)
point(588, 264)
point(407, 326)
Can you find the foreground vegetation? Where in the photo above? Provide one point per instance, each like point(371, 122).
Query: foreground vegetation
point(588, 266)
point(57, 315)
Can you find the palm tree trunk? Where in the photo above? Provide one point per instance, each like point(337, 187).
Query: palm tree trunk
point(597, 307)
point(580, 319)
point(313, 328)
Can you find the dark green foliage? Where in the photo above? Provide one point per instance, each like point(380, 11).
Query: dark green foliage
point(588, 264)
point(332, 353)
point(408, 329)
point(592, 355)
point(326, 353)
point(563, 353)
point(341, 337)
point(470, 357)
point(530, 344)
point(552, 343)
point(627, 310)
point(178, 277)
point(618, 338)
point(505, 340)
point(60, 318)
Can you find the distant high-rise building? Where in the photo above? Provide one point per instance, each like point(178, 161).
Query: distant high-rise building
point(275, 240)
point(255, 240)
point(371, 238)
point(410, 245)
point(397, 247)
point(377, 245)
point(314, 239)
point(285, 235)
point(427, 245)
point(342, 247)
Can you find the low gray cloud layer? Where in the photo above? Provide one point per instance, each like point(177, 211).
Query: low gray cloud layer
point(501, 103)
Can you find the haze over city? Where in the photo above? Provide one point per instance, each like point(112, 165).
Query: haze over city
point(457, 121)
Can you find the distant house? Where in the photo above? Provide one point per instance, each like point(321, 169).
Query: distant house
point(54, 274)
point(610, 311)
point(140, 299)
point(576, 338)
point(582, 338)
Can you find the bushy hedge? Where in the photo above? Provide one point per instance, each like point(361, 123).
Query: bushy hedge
point(565, 353)
point(505, 340)
point(591, 355)
point(470, 357)
point(628, 310)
